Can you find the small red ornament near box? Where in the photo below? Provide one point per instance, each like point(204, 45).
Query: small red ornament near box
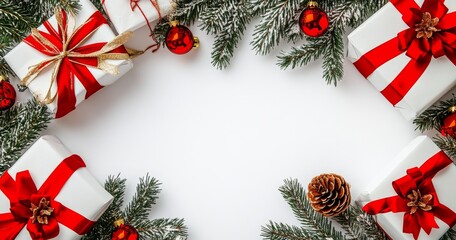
point(129, 15)
point(49, 194)
point(415, 200)
point(407, 50)
point(69, 58)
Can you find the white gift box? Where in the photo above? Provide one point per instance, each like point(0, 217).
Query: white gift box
point(125, 19)
point(414, 155)
point(82, 193)
point(23, 56)
point(438, 78)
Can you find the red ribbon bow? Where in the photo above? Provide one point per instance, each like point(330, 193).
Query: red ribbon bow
point(23, 192)
point(417, 179)
point(71, 59)
point(420, 50)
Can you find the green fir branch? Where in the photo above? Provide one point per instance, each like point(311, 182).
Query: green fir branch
point(19, 127)
point(447, 144)
point(432, 118)
point(146, 196)
point(281, 231)
point(136, 213)
point(227, 21)
point(274, 24)
point(449, 235)
point(164, 229)
point(359, 225)
point(314, 223)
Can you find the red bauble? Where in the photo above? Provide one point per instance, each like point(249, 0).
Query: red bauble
point(180, 40)
point(449, 125)
point(313, 20)
point(125, 232)
point(7, 95)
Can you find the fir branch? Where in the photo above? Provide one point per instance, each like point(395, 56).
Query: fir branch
point(333, 58)
point(146, 196)
point(164, 229)
point(359, 225)
point(136, 213)
point(280, 231)
point(19, 127)
point(274, 24)
point(314, 223)
point(432, 117)
point(447, 144)
point(449, 235)
point(228, 21)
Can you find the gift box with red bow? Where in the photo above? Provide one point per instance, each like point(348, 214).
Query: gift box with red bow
point(415, 200)
point(69, 58)
point(49, 193)
point(129, 15)
point(407, 50)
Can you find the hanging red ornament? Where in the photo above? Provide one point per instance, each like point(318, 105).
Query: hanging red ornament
point(448, 127)
point(179, 39)
point(7, 94)
point(313, 20)
point(124, 231)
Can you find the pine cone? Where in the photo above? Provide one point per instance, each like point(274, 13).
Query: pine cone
point(329, 194)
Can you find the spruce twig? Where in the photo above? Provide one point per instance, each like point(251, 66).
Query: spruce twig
point(313, 223)
point(359, 225)
point(432, 117)
point(19, 127)
point(136, 213)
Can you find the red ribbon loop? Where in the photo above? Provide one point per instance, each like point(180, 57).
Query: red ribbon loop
point(417, 179)
point(420, 50)
point(22, 192)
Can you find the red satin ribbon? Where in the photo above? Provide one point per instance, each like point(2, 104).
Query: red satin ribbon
point(421, 179)
point(23, 192)
point(71, 67)
point(420, 50)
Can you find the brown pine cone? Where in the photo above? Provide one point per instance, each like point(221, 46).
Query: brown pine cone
point(329, 194)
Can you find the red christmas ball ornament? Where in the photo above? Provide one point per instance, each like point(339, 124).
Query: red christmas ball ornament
point(448, 127)
point(124, 231)
point(7, 94)
point(313, 20)
point(179, 39)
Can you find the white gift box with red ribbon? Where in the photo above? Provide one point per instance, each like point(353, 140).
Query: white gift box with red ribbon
point(23, 57)
point(431, 83)
point(81, 192)
point(419, 151)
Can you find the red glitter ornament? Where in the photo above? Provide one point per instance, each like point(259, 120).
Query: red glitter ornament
point(7, 94)
point(179, 39)
point(124, 231)
point(313, 20)
point(448, 127)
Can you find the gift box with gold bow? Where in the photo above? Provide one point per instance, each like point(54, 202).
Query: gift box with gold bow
point(49, 193)
point(414, 200)
point(129, 15)
point(407, 50)
point(69, 58)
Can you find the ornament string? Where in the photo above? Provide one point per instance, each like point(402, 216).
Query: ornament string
point(23, 194)
point(417, 198)
point(70, 59)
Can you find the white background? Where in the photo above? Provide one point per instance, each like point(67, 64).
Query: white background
point(222, 142)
